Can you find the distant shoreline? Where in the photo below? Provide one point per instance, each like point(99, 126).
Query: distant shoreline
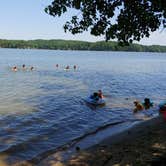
point(75, 45)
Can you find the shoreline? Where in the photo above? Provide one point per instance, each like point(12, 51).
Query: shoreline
point(100, 152)
point(142, 49)
point(143, 144)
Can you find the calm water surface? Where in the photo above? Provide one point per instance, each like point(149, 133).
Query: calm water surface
point(44, 109)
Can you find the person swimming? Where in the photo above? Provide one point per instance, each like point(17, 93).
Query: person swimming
point(31, 68)
point(147, 103)
point(95, 96)
point(74, 67)
point(14, 68)
point(67, 67)
point(23, 67)
point(138, 106)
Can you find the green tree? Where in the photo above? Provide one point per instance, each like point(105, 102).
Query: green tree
point(125, 20)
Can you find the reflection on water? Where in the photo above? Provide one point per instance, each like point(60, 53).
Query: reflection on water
point(44, 109)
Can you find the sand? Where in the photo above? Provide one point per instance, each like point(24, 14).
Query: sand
point(142, 145)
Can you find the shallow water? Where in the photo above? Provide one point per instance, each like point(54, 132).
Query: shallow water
point(44, 109)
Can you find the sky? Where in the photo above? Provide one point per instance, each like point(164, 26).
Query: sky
point(26, 20)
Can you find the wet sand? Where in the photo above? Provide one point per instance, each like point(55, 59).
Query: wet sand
point(142, 145)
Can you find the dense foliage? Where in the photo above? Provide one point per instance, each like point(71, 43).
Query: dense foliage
point(126, 20)
point(78, 45)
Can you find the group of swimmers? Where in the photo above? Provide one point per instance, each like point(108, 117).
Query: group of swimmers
point(67, 67)
point(15, 68)
point(147, 103)
point(138, 105)
point(141, 106)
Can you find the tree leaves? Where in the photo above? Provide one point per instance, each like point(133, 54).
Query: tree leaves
point(122, 19)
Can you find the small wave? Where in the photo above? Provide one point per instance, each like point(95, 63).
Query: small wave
point(70, 144)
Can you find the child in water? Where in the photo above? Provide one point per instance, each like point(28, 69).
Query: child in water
point(95, 96)
point(138, 106)
point(147, 103)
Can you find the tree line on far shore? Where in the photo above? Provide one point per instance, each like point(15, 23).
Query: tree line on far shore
point(78, 45)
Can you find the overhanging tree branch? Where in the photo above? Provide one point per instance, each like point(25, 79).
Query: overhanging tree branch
point(125, 20)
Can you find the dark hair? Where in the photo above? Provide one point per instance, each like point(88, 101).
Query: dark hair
point(95, 94)
point(147, 100)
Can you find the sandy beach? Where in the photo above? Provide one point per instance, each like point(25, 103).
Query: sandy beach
point(143, 144)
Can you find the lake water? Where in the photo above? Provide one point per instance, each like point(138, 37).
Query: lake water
point(44, 109)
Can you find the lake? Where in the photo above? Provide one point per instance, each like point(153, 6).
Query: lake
point(45, 109)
